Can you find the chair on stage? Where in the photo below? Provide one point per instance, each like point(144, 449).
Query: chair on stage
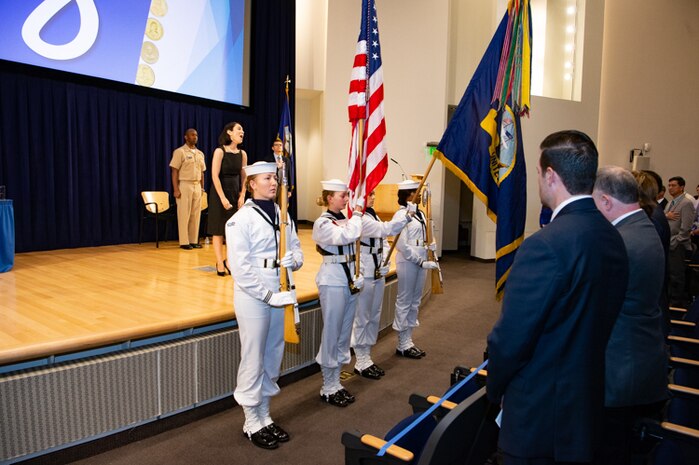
point(156, 205)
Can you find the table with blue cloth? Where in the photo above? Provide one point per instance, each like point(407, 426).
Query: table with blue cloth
point(7, 235)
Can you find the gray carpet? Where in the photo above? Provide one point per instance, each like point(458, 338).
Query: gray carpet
point(453, 328)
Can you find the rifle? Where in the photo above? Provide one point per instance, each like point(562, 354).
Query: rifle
point(412, 199)
point(286, 277)
point(437, 283)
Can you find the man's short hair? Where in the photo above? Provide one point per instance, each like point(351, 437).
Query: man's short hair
point(573, 156)
point(679, 179)
point(618, 183)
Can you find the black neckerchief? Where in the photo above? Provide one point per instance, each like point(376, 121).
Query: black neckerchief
point(337, 216)
point(372, 212)
point(268, 207)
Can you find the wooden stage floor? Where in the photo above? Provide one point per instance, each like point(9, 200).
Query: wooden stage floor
point(71, 300)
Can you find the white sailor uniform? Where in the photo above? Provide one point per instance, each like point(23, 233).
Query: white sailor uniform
point(411, 252)
point(253, 238)
point(335, 237)
point(368, 315)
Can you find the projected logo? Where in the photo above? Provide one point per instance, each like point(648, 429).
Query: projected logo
point(81, 43)
point(193, 47)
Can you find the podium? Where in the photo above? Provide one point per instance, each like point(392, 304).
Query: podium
point(7, 235)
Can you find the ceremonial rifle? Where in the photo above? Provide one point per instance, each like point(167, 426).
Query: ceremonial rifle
point(412, 199)
point(437, 283)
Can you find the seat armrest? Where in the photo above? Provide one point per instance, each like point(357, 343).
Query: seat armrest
point(683, 430)
point(678, 389)
point(395, 451)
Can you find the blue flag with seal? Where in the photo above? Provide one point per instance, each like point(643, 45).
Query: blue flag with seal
point(482, 144)
point(285, 134)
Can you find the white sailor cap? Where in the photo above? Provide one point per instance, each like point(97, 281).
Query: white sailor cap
point(260, 167)
point(408, 185)
point(334, 185)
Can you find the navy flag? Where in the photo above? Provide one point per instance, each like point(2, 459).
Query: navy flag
point(482, 144)
point(285, 134)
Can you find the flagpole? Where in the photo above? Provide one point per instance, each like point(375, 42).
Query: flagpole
point(412, 199)
point(360, 153)
point(291, 329)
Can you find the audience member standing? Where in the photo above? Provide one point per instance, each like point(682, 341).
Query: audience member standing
point(636, 361)
point(680, 214)
point(564, 292)
point(188, 166)
point(226, 195)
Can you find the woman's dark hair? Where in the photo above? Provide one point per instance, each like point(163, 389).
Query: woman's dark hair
point(404, 195)
point(647, 191)
point(224, 138)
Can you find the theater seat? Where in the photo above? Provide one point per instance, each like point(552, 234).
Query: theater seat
point(467, 434)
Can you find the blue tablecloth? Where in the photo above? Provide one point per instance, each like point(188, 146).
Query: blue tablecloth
point(7, 235)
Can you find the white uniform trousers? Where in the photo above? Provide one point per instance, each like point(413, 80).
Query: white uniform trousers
point(411, 282)
point(368, 317)
point(338, 307)
point(261, 330)
point(189, 212)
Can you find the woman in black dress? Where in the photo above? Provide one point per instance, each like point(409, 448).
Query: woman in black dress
point(227, 195)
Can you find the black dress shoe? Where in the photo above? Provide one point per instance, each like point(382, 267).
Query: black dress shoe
point(195, 246)
point(346, 394)
point(225, 265)
point(368, 372)
point(186, 247)
point(263, 439)
point(277, 432)
point(378, 369)
point(336, 399)
point(422, 352)
point(409, 353)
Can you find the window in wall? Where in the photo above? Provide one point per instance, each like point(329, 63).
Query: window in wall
point(558, 35)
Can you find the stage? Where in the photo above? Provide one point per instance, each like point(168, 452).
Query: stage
point(98, 340)
point(70, 300)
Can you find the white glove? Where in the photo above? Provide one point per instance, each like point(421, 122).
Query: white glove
point(358, 282)
point(280, 299)
point(412, 208)
point(383, 271)
point(288, 261)
point(360, 203)
point(429, 265)
point(432, 246)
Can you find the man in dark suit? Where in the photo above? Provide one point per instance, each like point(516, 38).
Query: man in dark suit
point(636, 362)
point(563, 295)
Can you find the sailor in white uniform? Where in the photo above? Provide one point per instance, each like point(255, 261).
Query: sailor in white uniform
point(411, 268)
point(338, 288)
point(252, 235)
point(366, 321)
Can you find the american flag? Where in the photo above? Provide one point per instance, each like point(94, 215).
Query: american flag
point(367, 171)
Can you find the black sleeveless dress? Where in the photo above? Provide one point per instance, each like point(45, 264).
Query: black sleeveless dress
point(229, 174)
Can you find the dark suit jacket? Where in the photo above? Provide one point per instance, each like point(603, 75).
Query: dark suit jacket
point(547, 350)
point(636, 366)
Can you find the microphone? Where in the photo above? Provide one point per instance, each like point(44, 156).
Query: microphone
point(401, 169)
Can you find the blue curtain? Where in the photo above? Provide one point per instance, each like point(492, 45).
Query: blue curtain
point(75, 153)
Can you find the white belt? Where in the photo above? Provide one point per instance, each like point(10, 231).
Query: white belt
point(417, 243)
point(334, 259)
point(265, 263)
point(371, 250)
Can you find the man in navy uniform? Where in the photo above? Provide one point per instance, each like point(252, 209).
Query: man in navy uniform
point(563, 295)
